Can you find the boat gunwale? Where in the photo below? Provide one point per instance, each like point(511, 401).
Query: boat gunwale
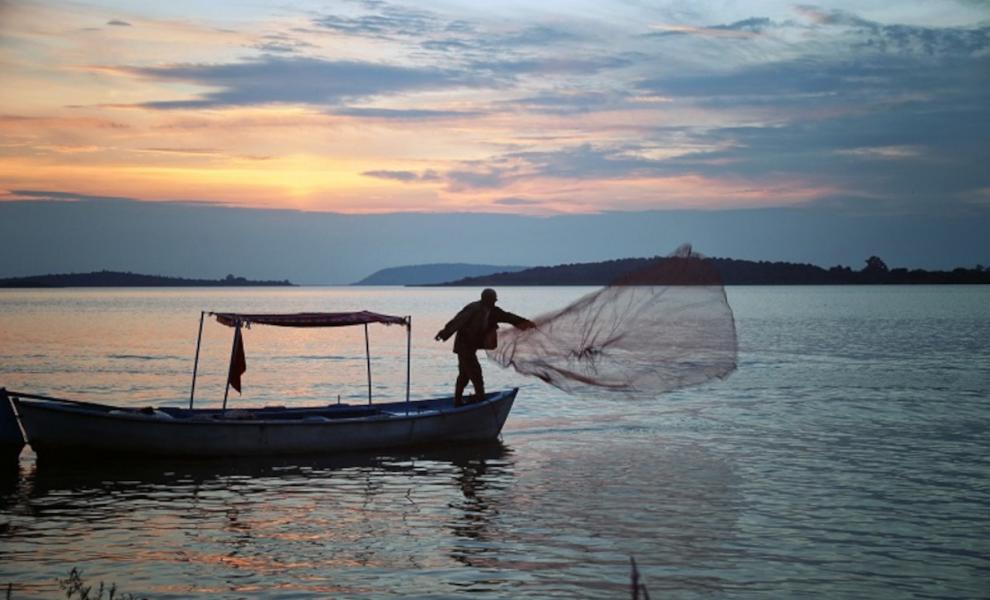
point(131, 415)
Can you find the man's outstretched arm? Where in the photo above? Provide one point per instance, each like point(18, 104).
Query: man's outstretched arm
point(504, 316)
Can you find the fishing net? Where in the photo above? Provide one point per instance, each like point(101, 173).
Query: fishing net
point(660, 326)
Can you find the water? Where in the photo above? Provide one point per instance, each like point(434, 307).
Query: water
point(848, 457)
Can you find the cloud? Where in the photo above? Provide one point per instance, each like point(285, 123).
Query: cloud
point(280, 43)
point(882, 152)
point(440, 54)
point(932, 41)
point(539, 36)
point(485, 178)
point(849, 64)
point(55, 196)
point(588, 161)
point(498, 48)
point(544, 102)
point(760, 80)
point(584, 162)
point(51, 122)
point(404, 176)
point(752, 25)
point(745, 28)
point(481, 46)
point(582, 166)
point(90, 199)
point(385, 21)
point(569, 102)
point(409, 114)
point(118, 23)
point(296, 80)
point(880, 76)
point(202, 153)
point(917, 155)
point(193, 151)
point(550, 65)
point(891, 112)
point(447, 45)
point(914, 156)
point(514, 201)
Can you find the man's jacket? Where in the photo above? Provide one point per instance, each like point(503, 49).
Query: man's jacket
point(475, 324)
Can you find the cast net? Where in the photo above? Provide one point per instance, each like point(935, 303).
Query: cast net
point(654, 329)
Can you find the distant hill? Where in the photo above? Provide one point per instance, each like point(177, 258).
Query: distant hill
point(733, 272)
point(432, 273)
point(126, 279)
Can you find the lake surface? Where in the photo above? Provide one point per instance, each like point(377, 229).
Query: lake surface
point(848, 457)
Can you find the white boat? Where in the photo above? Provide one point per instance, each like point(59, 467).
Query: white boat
point(61, 427)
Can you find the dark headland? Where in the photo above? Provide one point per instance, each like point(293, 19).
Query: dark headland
point(735, 272)
point(433, 273)
point(127, 279)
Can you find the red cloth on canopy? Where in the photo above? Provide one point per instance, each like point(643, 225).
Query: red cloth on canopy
point(238, 362)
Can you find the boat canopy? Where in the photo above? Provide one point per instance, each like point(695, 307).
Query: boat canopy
point(238, 363)
point(344, 319)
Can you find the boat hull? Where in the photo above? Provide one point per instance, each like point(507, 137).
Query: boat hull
point(11, 439)
point(63, 428)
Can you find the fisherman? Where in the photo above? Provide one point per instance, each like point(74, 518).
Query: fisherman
point(476, 326)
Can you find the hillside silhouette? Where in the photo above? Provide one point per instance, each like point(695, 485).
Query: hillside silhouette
point(127, 279)
point(734, 272)
point(432, 273)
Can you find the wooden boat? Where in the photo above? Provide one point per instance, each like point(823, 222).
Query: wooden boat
point(11, 439)
point(61, 427)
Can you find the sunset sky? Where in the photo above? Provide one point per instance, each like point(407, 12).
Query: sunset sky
point(522, 108)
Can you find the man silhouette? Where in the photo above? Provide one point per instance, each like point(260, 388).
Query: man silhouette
point(476, 326)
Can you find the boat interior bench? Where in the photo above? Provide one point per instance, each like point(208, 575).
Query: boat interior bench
point(280, 413)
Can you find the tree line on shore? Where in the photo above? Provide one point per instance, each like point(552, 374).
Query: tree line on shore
point(730, 270)
point(127, 279)
point(735, 272)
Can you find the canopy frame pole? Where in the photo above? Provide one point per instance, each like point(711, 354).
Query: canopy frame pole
point(367, 354)
point(199, 340)
point(233, 349)
point(408, 358)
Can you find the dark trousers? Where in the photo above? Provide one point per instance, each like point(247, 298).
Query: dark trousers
point(468, 369)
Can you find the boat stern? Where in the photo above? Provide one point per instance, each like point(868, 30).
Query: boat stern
point(11, 438)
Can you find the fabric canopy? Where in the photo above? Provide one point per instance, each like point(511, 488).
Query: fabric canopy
point(309, 319)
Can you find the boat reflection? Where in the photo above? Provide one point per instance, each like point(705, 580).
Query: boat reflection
point(123, 474)
point(10, 475)
point(300, 524)
point(475, 512)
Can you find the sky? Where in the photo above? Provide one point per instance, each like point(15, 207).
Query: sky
point(866, 117)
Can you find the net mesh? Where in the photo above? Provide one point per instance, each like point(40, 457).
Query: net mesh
point(662, 327)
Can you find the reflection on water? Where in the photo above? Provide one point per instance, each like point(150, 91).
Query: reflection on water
point(300, 523)
point(848, 457)
point(10, 473)
point(122, 475)
point(479, 519)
